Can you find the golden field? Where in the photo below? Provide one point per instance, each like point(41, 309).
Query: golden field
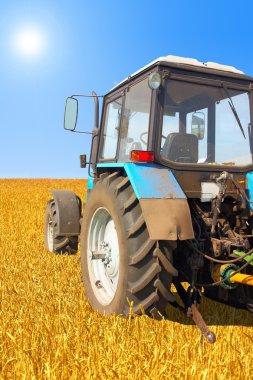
point(49, 331)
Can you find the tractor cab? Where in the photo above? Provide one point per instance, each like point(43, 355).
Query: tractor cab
point(191, 115)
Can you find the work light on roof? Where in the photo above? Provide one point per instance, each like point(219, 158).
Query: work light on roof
point(154, 81)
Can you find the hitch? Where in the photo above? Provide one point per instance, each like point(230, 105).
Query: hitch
point(190, 301)
point(194, 313)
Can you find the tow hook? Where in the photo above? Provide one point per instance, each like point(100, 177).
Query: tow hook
point(190, 301)
point(199, 321)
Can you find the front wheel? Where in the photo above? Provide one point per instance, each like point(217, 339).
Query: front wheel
point(120, 263)
point(59, 244)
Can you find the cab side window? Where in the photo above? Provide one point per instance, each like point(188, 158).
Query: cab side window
point(111, 129)
point(135, 120)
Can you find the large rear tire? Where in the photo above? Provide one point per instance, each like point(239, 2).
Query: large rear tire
point(60, 244)
point(120, 263)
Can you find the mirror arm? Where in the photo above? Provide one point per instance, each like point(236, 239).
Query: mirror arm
point(87, 133)
point(94, 133)
point(96, 115)
point(96, 112)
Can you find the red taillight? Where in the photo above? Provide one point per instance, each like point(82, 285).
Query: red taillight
point(142, 155)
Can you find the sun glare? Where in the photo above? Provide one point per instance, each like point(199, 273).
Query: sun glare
point(29, 42)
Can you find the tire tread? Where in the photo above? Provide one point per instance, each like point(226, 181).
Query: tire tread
point(146, 278)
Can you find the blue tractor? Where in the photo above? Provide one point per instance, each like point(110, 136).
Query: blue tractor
point(170, 192)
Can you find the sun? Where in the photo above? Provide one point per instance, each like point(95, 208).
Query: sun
point(29, 42)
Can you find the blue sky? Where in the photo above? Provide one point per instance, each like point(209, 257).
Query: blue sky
point(92, 45)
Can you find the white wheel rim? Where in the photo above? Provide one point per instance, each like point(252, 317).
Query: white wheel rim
point(50, 234)
point(103, 256)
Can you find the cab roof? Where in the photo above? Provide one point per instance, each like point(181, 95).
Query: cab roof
point(190, 64)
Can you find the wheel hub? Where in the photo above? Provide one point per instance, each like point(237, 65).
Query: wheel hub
point(103, 256)
point(109, 260)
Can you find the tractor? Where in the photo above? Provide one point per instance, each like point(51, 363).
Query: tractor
point(169, 192)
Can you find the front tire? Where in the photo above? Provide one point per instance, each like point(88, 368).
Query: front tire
point(59, 244)
point(120, 263)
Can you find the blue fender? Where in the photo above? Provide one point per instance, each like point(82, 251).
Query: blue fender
point(163, 202)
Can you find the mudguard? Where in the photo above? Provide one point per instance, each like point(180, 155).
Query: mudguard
point(163, 202)
point(68, 213)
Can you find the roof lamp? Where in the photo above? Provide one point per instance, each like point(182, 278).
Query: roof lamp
point(154, 81)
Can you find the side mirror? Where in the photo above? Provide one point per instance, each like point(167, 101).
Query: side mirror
point(70, 115)
point(198, 125)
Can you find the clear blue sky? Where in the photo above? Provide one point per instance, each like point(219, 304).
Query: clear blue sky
point(92, 45)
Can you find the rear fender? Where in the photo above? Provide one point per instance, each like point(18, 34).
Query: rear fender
point(68, 213)
point(164, 205)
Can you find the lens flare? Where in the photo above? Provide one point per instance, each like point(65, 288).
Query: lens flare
point(29, 42)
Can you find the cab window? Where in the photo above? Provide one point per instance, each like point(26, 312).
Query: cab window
point(135, 120)
point(204, 124)
point(111, 129)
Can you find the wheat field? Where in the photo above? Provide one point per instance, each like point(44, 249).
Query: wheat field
point(49, 331)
